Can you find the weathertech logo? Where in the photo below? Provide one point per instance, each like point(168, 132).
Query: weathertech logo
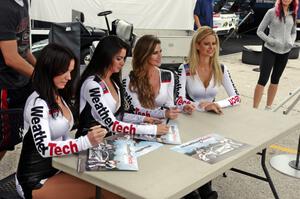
point(139, 112)
point(38, 135)
point(180, 101)
point(128, 98)
point(104, 114)
point(62, 150)
point(234, 100)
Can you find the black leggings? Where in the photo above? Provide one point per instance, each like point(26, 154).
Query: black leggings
point(271, 60)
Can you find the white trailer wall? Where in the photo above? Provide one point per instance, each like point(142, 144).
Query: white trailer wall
point(144, 14)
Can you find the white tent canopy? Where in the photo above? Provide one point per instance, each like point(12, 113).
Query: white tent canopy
point(144, 14)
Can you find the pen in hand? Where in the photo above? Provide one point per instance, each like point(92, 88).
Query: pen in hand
point(171, 112)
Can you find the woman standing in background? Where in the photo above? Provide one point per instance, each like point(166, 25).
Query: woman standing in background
point(281, 21)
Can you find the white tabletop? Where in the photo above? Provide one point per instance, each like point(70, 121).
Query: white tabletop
point(164, 173)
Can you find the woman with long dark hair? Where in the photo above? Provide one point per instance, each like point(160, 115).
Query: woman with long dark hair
point(281, 21)
point(100, 94)
point(47, 122)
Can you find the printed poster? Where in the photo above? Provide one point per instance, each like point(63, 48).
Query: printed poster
point(211, 148)
point(116, 153)
point(144, 147)
point(172, 137)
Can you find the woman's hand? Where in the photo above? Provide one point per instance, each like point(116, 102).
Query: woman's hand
point(172, 113)
point(189, 108)
point(210, 106)
point(152, 120)
point(204, 104)
point(96, 135)
point(162, 129)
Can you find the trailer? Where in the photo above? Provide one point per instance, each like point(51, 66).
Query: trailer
point(170, 20)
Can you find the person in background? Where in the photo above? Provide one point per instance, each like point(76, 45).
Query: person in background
point(47, 122)
point(149, 90)
point(298, 14)
point(202, 76)
point(203, 13)
point(281, 21)
point(16, 66)
point(100, 94)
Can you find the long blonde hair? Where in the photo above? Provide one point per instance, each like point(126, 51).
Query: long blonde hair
point(194, 59)
point(139, 81)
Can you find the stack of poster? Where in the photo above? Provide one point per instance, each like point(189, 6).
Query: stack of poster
point(172, 137)
point(117, 152)
point(211, 148)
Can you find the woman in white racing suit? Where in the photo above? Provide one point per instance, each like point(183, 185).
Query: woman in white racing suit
point(149, 90)
point(202, 76)
point(47, 122)
point(100, 94)
point(199, 81)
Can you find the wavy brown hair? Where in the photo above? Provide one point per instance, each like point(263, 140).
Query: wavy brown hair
point(139, 82)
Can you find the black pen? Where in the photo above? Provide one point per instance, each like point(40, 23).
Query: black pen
point(165, 107)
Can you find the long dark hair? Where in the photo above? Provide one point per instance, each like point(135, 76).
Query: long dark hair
point(54, 60)
point(101, 60)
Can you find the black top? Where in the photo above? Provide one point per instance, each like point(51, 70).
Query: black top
point(14, 25)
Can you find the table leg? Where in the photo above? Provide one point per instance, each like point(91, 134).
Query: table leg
point(263, 164)
point(265, 169)
point(98, 192)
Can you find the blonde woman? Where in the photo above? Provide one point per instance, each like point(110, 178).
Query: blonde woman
point(202, 75)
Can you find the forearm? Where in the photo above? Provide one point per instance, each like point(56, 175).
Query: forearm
point(31, 58)
point(262, 27)
point(230, 101)
point(12, 58)
point(261, 34)
point(294, 33)
point(21, 65)
point(137, 119)
point(197, 21)
point(180, 98)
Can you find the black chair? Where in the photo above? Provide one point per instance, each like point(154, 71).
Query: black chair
point(12, 120)
point(8, 188)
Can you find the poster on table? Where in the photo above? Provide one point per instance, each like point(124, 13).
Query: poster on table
point(172, 137)
point(117, 152)
point(211, 148)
